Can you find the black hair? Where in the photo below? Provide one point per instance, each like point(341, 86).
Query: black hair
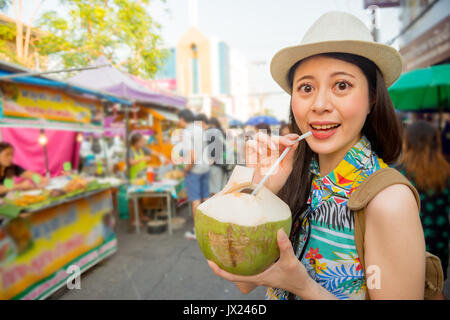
point(186, 115)
point(202, 117)
point(135, 138)
point(5, 145)
point(263, 126)
point(216, 124)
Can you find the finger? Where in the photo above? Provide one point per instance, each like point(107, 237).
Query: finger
point(251, 152)
point(229, 276)
point(285, 246)
point(265, 140)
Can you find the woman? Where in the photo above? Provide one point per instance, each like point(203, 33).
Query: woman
point(9, 170)
point(138, 168)
point(342, 98)
point(423, 163)
point(138, 159)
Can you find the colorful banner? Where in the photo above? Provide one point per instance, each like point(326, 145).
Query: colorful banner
point(37, 250)
point(62, 146)
point(33, 102)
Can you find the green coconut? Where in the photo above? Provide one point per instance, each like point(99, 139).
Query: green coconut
point(238, 231)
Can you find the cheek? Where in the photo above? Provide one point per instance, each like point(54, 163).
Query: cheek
point(300, 110)
point(355, 110)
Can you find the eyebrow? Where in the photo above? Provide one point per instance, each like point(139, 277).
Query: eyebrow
point(337, 73)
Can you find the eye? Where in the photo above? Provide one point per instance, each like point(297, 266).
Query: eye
point(343, 85)
point(305, 87)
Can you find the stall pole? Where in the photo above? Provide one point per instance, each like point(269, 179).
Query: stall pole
point(105, 146)
point(127, 145)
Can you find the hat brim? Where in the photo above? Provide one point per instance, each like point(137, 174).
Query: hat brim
point(388, 60)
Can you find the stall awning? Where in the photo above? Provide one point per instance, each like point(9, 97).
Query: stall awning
point(171, 116)
point(112, 80)
point(62, 85)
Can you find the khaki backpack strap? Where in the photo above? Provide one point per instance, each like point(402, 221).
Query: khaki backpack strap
point(375, 183)
point(361, 197)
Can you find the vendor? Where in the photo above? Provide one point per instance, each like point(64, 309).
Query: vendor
point(138, 159)
point(140, 155)
point(10, 170)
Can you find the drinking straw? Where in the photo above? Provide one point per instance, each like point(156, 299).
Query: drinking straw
point(277, 163)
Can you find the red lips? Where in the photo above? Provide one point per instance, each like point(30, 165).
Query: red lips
point(322, 134)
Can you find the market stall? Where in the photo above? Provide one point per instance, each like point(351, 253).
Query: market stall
point(154, 115)
point(165, 181)
point(46, 232)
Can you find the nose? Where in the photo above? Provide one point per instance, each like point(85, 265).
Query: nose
point(321, 103)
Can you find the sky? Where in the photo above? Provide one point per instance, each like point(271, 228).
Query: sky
point(257, 28)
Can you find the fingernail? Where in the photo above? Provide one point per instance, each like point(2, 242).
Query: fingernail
point(282, 235)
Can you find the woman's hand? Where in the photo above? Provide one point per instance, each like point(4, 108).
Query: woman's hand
point(43, 183)
point(24, 185)
point(287, 273)
point(263, 151)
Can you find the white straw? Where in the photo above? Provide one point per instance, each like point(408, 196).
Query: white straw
point(275, 165)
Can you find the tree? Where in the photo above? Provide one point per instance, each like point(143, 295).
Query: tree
point(122, 30)
point(21, 53)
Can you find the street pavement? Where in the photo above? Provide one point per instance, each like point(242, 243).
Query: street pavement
point(150, 266)
point(162, 267)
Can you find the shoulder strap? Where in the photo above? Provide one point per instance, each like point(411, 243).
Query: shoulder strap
point(375, 183)
point(365, 192)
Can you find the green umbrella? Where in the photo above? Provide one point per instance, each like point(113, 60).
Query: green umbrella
point(426, 90)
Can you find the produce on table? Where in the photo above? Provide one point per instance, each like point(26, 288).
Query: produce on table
point(237, 230)
point(75, 184)
point(29, 199)
point(138, 182)
point(174, 175)
point(55, 193)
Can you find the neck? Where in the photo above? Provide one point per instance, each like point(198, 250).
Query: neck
point(328, 162)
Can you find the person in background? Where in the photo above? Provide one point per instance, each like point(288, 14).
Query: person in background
point(284, 129)
point(423, 163)
point(264, 128)
point(9, 170)
point(138, 159)
point(217, 173)
point(138, 168)
point(204, 120)
point(196, 171)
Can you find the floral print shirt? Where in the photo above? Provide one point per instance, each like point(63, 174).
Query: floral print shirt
point(327, 237)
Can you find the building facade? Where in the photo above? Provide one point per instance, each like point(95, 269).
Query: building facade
point(212, 75)
point(424, 37)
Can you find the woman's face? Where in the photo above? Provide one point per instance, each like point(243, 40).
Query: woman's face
point(6, 157)
point(141, 143)
point(330, 97)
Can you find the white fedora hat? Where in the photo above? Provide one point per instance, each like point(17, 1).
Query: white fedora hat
point(337, 32)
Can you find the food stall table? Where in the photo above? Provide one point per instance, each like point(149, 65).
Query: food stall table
point(39, 247)
point(168, 189)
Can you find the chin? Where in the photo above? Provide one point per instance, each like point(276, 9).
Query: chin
point(323, 148)
point(326, 146)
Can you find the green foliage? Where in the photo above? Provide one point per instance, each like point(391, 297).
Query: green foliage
point(4, 5)
point(8, 36)
point(122, 30)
